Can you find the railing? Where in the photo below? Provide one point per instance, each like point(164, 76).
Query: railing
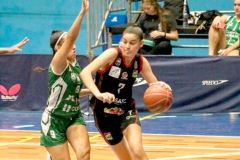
point(96, 19)
point(97, 16)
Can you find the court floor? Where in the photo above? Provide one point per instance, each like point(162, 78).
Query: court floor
point(215, 124)
point(224, 127)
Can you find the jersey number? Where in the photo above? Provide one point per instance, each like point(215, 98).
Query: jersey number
point(121, 86)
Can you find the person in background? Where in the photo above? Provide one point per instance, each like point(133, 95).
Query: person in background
point(62, 122)
point(159, 27)
point(115, 113)
point(223, 35)
point(14, 48)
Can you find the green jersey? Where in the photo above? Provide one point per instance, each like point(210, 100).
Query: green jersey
point(63, 96)
point(232, 30)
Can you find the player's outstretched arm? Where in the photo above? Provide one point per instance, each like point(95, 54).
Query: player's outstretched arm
point(14, 48)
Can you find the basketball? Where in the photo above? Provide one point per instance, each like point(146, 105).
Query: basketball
point(157, 98)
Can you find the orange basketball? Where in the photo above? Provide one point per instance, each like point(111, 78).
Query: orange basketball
point(157, 98)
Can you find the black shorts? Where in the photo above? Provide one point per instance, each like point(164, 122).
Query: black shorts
point(111, 126)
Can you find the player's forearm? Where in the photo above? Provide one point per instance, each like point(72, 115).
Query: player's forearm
point(5, 50)
point(84, 92)
point(75, 28)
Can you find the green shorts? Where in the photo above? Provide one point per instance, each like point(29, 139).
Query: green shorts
point(54, 128)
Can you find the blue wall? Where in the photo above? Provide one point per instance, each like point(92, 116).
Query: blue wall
point(37, 18)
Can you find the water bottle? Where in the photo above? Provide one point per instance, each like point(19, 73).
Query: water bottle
point(185, 17)
point(185, 20)
point(160, 27)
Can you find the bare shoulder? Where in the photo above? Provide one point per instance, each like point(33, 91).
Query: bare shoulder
point(111, 52)
point(107, 56)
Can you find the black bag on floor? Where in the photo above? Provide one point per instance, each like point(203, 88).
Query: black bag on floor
point(205, 20)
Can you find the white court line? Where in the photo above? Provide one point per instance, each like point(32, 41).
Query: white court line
point(23, 126)
point(162, 147)
point(203, 114)
point(234, 113)
point(177, 135)
point(165, 116)
point(90, 121)
point(145, 146)
point(183, 135)
point(199, 156)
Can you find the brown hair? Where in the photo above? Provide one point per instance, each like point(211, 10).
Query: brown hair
point(161, 12)
point(134, 29)
point(54, 38)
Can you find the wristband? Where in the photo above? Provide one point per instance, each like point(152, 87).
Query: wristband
point(164, 35)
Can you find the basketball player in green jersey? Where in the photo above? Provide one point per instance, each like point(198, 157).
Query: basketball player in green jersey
point(62, 121)
point(115, 112)
point(224, 34)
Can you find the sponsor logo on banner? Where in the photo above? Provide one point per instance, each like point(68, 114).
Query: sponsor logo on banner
point(10, 95)
point(213, 82)
point(140, 81)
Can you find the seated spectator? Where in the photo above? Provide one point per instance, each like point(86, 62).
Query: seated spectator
point(14, 48)
point(224, 32)
point(159, 27)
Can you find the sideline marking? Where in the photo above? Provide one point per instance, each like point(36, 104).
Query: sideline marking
point(89, 121)
point(23, 126)
point(166, 116)
point(149, 116)
point(199, 156)
point(16, 142)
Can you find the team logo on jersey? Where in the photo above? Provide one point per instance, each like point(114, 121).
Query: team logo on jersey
point(124, 75)
point(73, 77)
point(118, 62)
point(229, 24)
point(135, 65)
point(108, 136)
point(135, 73)
point(130, 115)
point(10, 95)
point(115, 72)
point(78, 78)
point(119, 101)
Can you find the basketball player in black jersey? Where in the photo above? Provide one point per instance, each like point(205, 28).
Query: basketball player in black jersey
point(115, 112)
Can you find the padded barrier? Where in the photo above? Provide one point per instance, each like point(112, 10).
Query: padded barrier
point(199, 84)
point(21, 88)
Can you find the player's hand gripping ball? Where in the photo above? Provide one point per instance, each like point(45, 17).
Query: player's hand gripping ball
point(158, 98)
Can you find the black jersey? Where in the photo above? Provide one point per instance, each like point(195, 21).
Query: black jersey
point(117, 79)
